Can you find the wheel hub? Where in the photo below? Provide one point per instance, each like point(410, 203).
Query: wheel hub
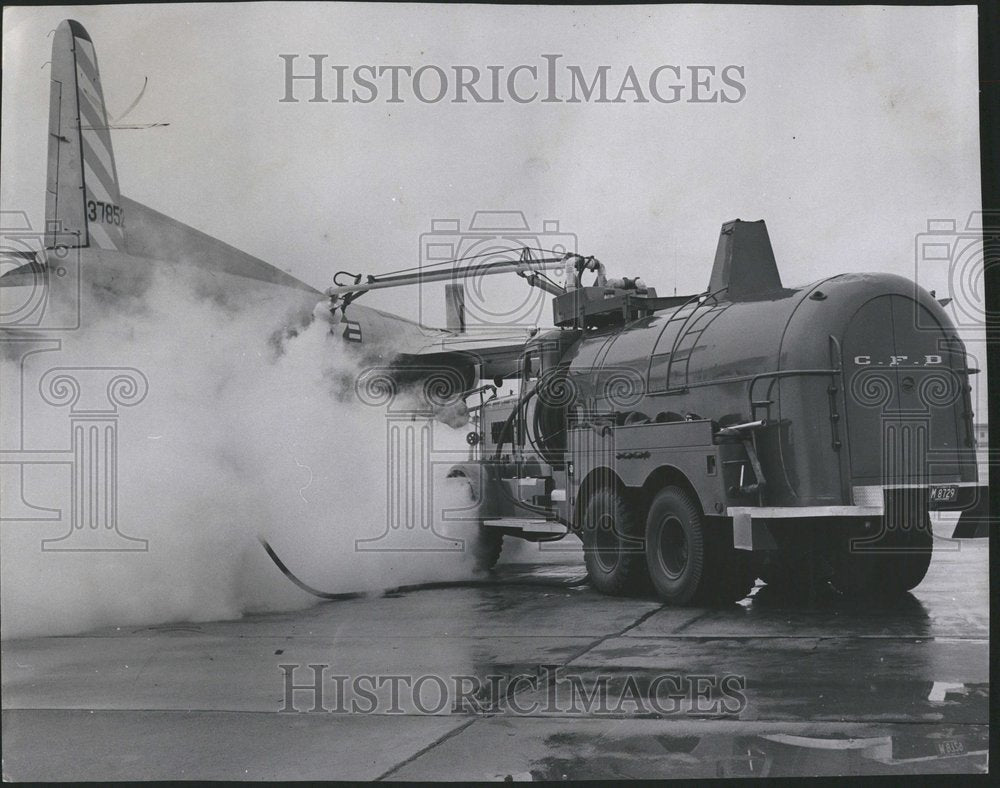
point(606, 543)
point(673, 547)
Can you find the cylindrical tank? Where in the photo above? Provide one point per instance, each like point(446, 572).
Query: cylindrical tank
point(862, 378)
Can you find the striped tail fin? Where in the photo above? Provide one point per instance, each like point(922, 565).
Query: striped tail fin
point(82, 196)
point(83, 205)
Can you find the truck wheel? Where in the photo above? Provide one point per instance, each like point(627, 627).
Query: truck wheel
point(911, 539)
point(910, 567)
point(612, 544)
point(855, 561)
point(676, 546)
point(487, 543)
point(891, 564)
point(904, 570)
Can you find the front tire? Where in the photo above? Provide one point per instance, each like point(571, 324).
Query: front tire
point(487, 543)
point(486, 548)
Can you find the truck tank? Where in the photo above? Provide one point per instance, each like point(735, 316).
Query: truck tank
point(862, 379)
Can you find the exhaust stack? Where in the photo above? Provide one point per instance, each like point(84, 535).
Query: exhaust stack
point(454, 307)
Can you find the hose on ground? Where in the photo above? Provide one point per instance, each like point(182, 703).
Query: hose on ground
point(491, 582)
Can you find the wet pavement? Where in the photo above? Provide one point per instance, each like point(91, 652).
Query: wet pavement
point(519, 680)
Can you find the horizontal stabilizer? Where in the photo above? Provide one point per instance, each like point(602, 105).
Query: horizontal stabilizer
point(153, 234)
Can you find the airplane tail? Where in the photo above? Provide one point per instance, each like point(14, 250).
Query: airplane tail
point(82, 195)
point(84, 206)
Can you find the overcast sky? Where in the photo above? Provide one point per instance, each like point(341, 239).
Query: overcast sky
point(857, 126)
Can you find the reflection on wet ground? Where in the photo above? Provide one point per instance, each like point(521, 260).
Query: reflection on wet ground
point(561, 683)
point(639, 755)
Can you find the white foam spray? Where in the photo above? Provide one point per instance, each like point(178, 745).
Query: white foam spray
point(239, 437)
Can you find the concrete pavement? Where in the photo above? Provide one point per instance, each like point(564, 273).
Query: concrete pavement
point(814, 687)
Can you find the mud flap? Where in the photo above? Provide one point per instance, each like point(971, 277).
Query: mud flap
point(751, 535)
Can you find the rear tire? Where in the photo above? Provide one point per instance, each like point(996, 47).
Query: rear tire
point(689, 559)
point(856, 562)
point(910, 567)
point(909, 531)
point(894, 559)
point(892, 564)
point(612, 543)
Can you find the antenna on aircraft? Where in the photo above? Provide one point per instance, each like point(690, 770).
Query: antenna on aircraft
point(142, 92)
point(125, 126)
point(117, 125)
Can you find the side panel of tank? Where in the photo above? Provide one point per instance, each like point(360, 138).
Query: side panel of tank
point(710, 353)
point(798, 450)
point(583, 363)
point(871, 389)
point(822, 439)
point(722, 342)
point(698, 360)
point(803, 447)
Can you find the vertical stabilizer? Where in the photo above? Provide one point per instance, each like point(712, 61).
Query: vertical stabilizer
point(82, 197)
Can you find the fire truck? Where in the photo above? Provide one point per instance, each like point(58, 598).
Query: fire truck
point(695, 443)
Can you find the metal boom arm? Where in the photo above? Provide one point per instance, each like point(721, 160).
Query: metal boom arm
point(526, 266)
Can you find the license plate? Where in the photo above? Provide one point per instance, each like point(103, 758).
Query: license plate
point(944, 494)
point(950, 747)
